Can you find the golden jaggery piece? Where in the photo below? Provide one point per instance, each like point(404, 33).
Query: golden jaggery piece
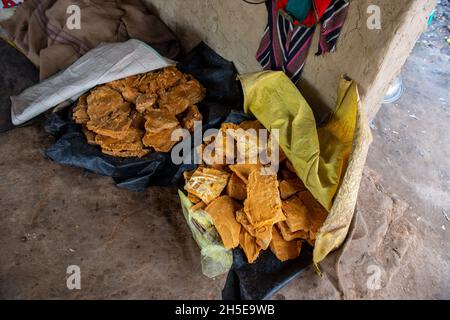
point(236, 188)
point(288, 235)
point(290, 187)
point(79, 114)
point(146, 102)
point(316, 212)
point(222, 211)
point(263, 203)
point(169, 77)
point(244, 170)
point(192, 115)
point(297, 216)
point(263, 236)
point(242, 219)
point(180, 97)
point(249, 246)
point(207, 183)
point(104, 102)
point(161, 141)
point(284, 250)
point(160, 120)
point(198, 206)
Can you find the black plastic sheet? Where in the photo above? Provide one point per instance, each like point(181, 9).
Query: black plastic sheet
point(223, 93)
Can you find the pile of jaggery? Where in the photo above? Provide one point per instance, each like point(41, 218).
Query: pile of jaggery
point(253, 208)
point(135, 115)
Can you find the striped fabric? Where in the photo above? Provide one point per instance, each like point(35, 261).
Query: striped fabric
point(285, 45)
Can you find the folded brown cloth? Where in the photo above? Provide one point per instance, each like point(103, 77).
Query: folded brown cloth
point(39, 29)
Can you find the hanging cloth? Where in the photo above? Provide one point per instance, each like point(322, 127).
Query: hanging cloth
point(285, 43)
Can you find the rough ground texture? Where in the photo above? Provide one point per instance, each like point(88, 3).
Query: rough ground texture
point(137, 245)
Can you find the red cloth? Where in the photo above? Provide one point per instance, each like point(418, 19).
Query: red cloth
point(320, 5)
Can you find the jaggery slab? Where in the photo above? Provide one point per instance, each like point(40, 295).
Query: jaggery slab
point(222, 211)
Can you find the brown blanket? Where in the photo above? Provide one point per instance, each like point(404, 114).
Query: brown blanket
point(39, 29)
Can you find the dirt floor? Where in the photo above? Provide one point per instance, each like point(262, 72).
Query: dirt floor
point(53, 216)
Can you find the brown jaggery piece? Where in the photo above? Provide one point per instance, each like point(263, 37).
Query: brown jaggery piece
point(221, 148)
point(104, 102)
point(244, 170)
point(194, 199)
point(316, 212)
point(161, 141)
point(180, 97)
point(126, 153)
point(146, 102)
point(169, 77)
point(263, 203)
point(130, 94)
point(131, 141)
point(198, 206)
point(284, 250)
point(192, 115)
point(249, 246)
point(90, 136)
point(247, 146)
point(123, 84)
point(187, 175)
point(222, 211)
point(236, 188)
point(137, 120)
point(251, 124)
point(148, 83)
point(288, 235)
point(290, 187)
point(117, 127)
point(79, 114)
point(207, 183)
point(286, 174)
point(160, 120)
point(297, 216)
point(289, 166)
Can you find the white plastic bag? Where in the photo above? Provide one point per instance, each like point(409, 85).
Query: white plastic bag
point(105, 63)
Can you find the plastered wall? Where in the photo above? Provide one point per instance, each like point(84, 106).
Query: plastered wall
point(371, 57)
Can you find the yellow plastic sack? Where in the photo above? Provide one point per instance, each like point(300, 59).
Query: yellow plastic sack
point(322, 157)
point(329, 160)
point(318, 156)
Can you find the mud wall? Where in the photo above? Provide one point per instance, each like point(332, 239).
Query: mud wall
point(371, 57)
